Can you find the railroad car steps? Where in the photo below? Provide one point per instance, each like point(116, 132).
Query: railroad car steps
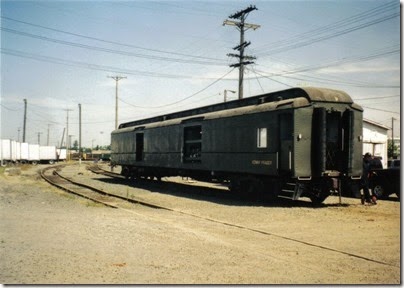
point(288, 191)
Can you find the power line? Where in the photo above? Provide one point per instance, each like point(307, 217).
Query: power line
point(107, 50)
point(113, 42)
point(378, 97)
point(179, 101)
point(380, 109)
point(90, 66)
point(5, 107)
point(332, 30)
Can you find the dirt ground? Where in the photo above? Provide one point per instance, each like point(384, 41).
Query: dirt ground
point(48, 236)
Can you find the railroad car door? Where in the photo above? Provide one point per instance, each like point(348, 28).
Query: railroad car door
point(139, 146)
point(192, 147)
point(352, 149)
point(328, 138)
point(285, 142)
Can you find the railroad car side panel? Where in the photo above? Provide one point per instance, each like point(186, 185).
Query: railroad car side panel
point(24, 151)
point(162, 147)
point(124, 147)
point(33, 152)
point(242, 144)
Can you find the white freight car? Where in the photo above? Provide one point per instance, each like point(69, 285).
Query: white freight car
point(24, 152)
point(33, 153)
point(61, 154)
point(8, 151)
point(47, 154)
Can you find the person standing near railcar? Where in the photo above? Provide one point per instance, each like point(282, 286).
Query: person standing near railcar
point(365, 180)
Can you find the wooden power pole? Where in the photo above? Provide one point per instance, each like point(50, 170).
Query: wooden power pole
point(116, 78)
point(243, 59)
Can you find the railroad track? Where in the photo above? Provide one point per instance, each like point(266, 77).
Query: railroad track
point(98, 170)
point(52, 176)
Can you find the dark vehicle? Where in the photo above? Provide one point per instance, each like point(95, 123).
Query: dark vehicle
point(393, 164)
point(292, 143)
point(385, 182)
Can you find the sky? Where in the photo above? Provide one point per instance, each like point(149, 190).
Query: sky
point(59, 54)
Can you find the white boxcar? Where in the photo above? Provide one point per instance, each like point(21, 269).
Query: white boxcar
point(17, 146)
point(33, 153)
point(8, 150)
point(61, 153)
point(24, 152)
point(47, 154)
point(13, 150)
point(2, 161)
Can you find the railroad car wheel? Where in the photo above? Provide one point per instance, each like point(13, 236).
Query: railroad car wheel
point(255, 189)
point(318, 199)
point(319, 194)
point(125, 172)
point(271, 190)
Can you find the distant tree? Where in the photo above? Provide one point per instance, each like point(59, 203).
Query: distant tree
point(76, 145)
point(392, 150)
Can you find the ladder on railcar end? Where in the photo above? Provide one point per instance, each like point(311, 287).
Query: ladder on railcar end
point(291, 190)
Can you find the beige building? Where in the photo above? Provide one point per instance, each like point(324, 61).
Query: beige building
point(375, 140)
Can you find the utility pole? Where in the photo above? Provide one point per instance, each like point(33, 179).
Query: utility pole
point(47, 138)
point(243, 59)
point(116, 78)
point(67, 134)
point(392, 136)
point(63, 136)
point(39, 138)
point(80, 132)
point(25, 120)
point(70, 139)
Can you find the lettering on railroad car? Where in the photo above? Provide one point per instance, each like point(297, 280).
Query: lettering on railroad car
point(261, 162)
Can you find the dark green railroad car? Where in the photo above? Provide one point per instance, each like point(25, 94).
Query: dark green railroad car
point(300, 142)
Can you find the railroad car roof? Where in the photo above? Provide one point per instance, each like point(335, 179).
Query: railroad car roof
point(299, 97)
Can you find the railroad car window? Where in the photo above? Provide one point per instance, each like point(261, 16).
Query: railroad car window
point(192, 144)
point(262, 137)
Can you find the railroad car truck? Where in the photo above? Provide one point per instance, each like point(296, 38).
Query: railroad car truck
point(300, 142)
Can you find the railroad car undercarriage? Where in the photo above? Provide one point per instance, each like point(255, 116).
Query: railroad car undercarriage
point(252, 186)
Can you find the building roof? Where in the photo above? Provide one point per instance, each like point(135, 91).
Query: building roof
point(376, 124)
